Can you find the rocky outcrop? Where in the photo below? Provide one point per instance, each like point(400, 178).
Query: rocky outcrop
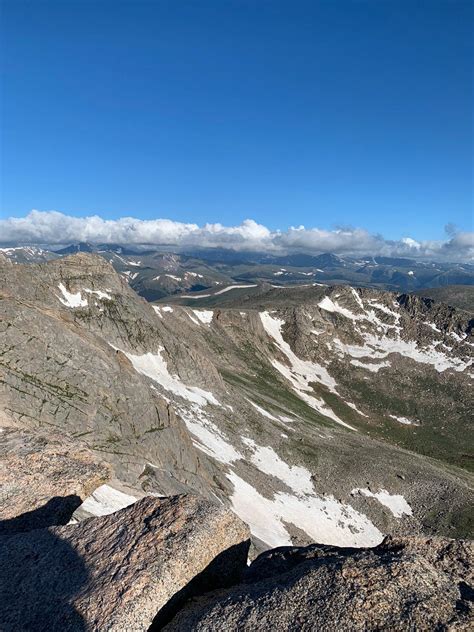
point(403, 584)
point(119, 572)
point(59, 369)
point(44, 478)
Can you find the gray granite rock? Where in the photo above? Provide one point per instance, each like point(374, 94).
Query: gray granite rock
point(403, 584)
point(120, 571)
point(44, 478)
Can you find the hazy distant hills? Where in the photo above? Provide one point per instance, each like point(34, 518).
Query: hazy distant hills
point(156, 273)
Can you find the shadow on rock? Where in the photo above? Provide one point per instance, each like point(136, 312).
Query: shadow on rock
point(212, 577)
point(39, 572)
point(57, 511)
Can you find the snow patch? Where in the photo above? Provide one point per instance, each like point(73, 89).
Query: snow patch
point(71, 300)
point(395, 502)
point(101, 295)
point(300, 372)
point(405, 420)
point(354, 407)
point(267, 461)
point(370, 366)
point(325, 520)
point(208, 438)
point(104, 501)
point(204, 315)
point(153, 366)
point(233, 287)
point(263, 412)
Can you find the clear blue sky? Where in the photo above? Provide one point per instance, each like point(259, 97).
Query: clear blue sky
point(314, 113)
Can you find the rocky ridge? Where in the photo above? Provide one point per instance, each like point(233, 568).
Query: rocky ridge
point(402, 584)
point(44, 478)
point(180, 563)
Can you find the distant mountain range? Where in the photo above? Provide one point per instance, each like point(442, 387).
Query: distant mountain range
point(159, 273)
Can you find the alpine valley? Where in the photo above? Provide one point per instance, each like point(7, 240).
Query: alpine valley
point(319, 399)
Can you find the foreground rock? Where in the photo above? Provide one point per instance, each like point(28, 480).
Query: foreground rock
point(403, 584)
point(119, 571)
point(43, 479)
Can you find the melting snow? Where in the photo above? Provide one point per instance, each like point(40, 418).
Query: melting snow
point(433, 326)
point(189, 313)
point(267, 461)
point(209, 439)
point(370, 366)
point(395, 502)
point(325, 520)
point(100, 294)
point(105, 500)
point(377, 348)
point(263, 412)
point(70, 299)
point(330, 306)
point(154, 367)
point(158, 309)
point(233, 287)
point(205, 316)
point(130, 275)
point(300, 372)
point(354, 407)
point(357, 298)
point(404, 420)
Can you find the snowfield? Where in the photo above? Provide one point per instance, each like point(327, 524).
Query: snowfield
point(153, 366)
point(300, 372)
point(325, 520)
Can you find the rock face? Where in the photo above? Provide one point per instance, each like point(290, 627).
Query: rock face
point(402, 584)
point(60, 325)
point(44, 478)
point(117, 572)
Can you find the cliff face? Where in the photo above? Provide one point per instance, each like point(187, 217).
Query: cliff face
point(61, 369)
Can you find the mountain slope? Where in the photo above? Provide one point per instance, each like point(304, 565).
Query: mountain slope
point(461, 296)
point(273, 406)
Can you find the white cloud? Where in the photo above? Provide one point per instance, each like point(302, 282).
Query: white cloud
point(52, 227)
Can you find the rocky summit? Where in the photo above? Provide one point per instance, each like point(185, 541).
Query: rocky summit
point(402, 584)
point(147, 448)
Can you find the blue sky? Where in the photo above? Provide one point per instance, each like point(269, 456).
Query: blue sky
point(318, 113)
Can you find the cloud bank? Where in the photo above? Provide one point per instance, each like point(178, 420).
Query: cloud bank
point(54, 228)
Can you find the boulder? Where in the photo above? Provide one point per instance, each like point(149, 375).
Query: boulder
point(121, 571)
point(44, 478)
point(405, 583)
